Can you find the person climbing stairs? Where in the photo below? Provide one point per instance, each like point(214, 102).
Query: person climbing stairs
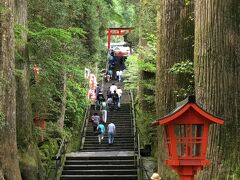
point(103, 161)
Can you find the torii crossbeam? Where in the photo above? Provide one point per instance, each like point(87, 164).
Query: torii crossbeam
point(117, 32)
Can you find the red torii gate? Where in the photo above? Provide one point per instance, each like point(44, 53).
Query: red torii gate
point(117, 32)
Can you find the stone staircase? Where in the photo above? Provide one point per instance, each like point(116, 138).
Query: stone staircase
point(100, 166)
point(102, 161)
point(124, 139)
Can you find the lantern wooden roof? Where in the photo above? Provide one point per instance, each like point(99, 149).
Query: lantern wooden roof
point(183, 107)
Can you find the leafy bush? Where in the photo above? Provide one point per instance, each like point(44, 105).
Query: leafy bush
point(184, 74)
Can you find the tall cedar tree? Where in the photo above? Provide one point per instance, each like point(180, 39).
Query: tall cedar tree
point(28, 152)
point(175, 44)
point(167, 55)
point(9, 166)
point(217, 81)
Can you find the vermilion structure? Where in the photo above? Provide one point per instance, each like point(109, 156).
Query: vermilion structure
point(117, 32)
point(186, 132)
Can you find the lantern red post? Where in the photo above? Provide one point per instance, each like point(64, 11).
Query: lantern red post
point(186, 136)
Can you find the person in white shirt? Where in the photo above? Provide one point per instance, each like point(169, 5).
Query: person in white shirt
point(119, 92)
point(117, 75)
point(120, 75)
point(113, 88)
point(111, 132)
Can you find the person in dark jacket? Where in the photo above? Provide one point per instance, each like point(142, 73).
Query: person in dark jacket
point(100, 98)
point(115, 99)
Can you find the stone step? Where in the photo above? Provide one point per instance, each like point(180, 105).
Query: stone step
point(104, 149)
point(116, 122)
point(117, 136)
point(118, 131)
point(119, 113)
point(92, 157)
point(120, 119)
point(115, 114)
point(99, 177)
point(117, 125)
point(105, 144)
point(104, 161)
point(101, 172)
point(95, 140)
point(97, 166)
point(121, 133)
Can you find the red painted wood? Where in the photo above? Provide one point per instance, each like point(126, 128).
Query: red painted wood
point(117, 32)
point(186, 133)
point(109, 39)
point(186, 177)
point(186, 107)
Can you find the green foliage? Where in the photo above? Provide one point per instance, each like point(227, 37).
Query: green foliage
point(54, 49)
point(64, 36)
point(144, 121)
point(122, 14)
point(131, 75)
point(135, 63)
point(237, 173)
point(143, 61)
point(18, 31)
point(182, 68)
point(49, 147)
point(184, 74)
point(47, 151)
point(187, 2)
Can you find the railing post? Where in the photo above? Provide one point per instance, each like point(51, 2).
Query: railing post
point(136, 140)
point(86, 116)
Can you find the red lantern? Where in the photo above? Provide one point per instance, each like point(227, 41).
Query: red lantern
point(186, 132)
point(40, 122)
point(36, 70)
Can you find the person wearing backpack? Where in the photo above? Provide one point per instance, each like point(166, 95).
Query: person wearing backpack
point(115, 99)
point(95, 121)
point(100, 99)
point(109, 93)
point(97, 90)
point(101, 131)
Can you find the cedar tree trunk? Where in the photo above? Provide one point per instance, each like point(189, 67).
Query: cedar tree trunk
point(217, 82)
point(168, 53)
point(9, 165)
point(28, 150)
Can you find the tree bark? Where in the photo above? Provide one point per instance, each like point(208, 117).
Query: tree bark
point(28, 151)
point(217, 79)
point(9, 165)
point(63, 100)
point(168, 53)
